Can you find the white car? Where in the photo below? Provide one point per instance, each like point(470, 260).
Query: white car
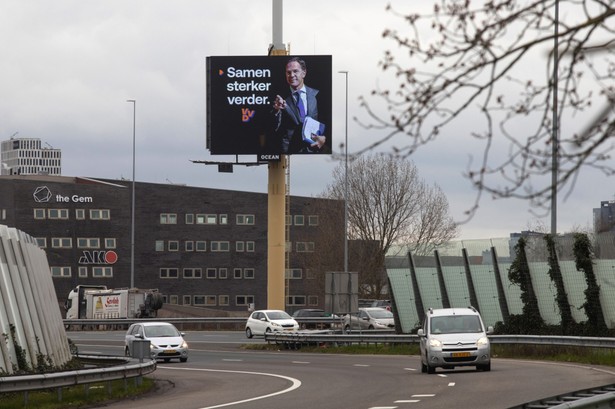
point(166, 342)
point(264, 321)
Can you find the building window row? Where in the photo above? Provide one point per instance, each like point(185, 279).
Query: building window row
point(63, 214)
point(201, 245)
point(299, 220)
point(83, 271)
point(82, 242)
point(211, 273)
point(207, 218)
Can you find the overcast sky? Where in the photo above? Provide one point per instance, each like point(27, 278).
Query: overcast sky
point(67, 68)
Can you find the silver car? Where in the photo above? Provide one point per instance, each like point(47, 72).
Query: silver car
point(453, 337)
point(370, 318)
point(166, 342)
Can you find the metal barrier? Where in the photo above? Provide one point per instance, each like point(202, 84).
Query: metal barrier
point(122, 370)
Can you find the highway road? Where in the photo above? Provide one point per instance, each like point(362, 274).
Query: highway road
point(222, 374)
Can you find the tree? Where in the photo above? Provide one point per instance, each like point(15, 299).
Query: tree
point(389, 204)
point(490, 58)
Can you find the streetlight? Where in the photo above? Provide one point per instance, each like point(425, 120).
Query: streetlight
point(132, 212)
point(346, 180)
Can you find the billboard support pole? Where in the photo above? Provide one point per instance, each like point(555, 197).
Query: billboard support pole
point(276, 199)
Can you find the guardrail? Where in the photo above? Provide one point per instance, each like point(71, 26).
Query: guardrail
point(59, 380)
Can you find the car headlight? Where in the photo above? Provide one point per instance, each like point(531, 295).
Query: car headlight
point(275, 324)
point(435, 343)
point(184, 344)
point(482, 341)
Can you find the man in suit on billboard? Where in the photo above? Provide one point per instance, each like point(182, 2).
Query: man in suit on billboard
point(291, 112)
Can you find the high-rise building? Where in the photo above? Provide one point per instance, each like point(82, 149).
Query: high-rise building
point(604, 216)
point(26, 156)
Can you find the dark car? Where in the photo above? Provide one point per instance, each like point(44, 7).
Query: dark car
point(312, 313)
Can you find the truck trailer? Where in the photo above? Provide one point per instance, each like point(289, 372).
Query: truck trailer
point(99, 302)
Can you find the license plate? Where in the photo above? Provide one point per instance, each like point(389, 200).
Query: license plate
point(169, 351)
point(460, 354)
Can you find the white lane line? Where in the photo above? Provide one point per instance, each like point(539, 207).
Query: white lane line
point(451, 384)
point(361, 365)
point(296, 383)
point(442, 376)
point(383, 407)
point(408, 401)
point(424, 395)
point(232, 360)
point(300, 362)
point(409, 369)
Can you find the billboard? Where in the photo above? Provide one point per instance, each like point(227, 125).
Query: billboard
point(253, 106)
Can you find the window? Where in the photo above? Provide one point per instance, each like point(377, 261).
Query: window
point(299, 220)
point(88, 243)
point(159, 245)
point(60, 272)
point(305, 246)
point(223, 300)
point(100, 214)
point(189, 218)
point(83, 271)
point(237, 273)
point(240, 246)
point(289, 220)
point(245, 219)
point(219, 246)
point(250, 246)
point(41, 242)
point(173, 299)
point(313, 220)
point(189, 246)
point(294, 274)
point(110, 243)
point(211, 273)
point(198, 300)
point(57, 214)
point(289, 246)
point(169, 273)
point(187, 299)
point(223, 219)
point(193, 273)
point(201, 245)
point(168, 218)
point(223, 273)
point(206, 219)
point(39, 214)
point(173, 245)
point(248, 273)
point(210, 300)
point(2, 214)
point(313, 300)
point(61, 242)
point(100, 271)
point(244, 300)
point(295, 300)
point(80, 214)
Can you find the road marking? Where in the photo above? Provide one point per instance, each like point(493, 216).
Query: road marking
point(408, 401)
point(442, 376)
point(409, 369)
point(424, 395)
point(451, 384)
point(300, 362)
point(296, 383)
point(232, 360)
point(362, 365)
point(383, 407)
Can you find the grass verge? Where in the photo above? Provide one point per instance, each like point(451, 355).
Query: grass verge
point(81, 396)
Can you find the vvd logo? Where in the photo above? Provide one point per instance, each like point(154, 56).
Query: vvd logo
point(247, 114)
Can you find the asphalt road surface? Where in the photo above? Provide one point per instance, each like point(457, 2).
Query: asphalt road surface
point(221, 374)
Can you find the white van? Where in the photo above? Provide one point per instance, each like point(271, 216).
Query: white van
point(453, 337)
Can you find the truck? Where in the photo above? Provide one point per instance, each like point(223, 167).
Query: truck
point(99, 302)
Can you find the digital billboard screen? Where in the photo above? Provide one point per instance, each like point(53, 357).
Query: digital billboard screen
point(269, 105)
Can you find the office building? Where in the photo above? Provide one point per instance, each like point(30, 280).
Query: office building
point(26, 156)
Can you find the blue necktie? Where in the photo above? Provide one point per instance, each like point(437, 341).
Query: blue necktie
point(300, 106)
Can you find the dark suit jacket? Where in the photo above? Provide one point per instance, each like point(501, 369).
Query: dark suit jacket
point(288, 126)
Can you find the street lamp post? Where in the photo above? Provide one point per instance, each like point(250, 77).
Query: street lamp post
point(132, 212)
point(346, 179)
